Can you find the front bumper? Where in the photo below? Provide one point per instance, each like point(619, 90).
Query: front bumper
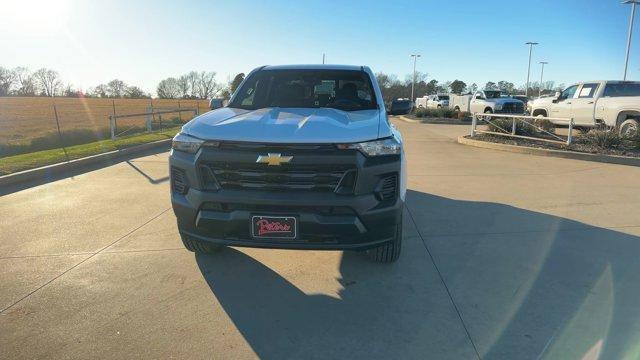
point(326, 220)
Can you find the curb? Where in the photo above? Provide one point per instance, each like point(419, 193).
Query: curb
point(110, 158)
point(436, 121)
point(608, 159)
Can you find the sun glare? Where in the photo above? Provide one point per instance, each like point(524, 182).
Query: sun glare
point(35, 15)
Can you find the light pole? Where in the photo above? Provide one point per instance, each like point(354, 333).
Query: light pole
point(526, 92)
point(543, 63)
point(633, 13)
point(413, 83)
point(323, 58)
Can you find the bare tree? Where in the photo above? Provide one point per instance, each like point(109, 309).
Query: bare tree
point(168, 88)
point(506, 86)
point(420, 77)
point(25, 82)
point(207, 85)
point(7, 78)
point(134, 92)
point(101, 91)
point(116, 88)
point(184, 85)
point(192, 78)
point(48, 80)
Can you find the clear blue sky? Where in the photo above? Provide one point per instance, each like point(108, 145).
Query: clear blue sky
point(142, 42)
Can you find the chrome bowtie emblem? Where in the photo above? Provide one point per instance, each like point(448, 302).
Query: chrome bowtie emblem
point(272, 159)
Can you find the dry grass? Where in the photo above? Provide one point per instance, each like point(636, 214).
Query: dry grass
point(25, 118)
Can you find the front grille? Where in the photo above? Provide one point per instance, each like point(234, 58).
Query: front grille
point(278, 209)
point(513, 108)
point(277, 148)
point(388, 188)
point(179, 180)
point(284, 177)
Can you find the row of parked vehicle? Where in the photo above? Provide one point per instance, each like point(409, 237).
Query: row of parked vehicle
point(590, 104)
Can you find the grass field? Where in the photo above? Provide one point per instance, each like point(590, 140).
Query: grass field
point(36, 159)
point(28, 123)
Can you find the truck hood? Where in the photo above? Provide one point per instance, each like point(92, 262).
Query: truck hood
point(289, 125)
point(503, 101)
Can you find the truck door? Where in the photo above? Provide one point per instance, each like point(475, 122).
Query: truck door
point(477, 104)
point(583, 105)
point(561, 108)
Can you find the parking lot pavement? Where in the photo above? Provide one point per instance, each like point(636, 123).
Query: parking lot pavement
point(506, 256)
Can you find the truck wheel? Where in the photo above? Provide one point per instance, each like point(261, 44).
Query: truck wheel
point(198, 246)
point(456, 109)
point(629, 128)
point(389, 252)
point(487, 118)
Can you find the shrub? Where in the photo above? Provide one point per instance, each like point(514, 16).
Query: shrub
point(420, 112)
point(545, 125)
point(634, 141)
point(604, 139)
point(463, 115)
point(504, 124)
point(440, 113)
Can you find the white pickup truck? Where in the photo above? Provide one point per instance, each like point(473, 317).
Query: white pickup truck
point(615, 104)
point(487, 102)
point(433, 101)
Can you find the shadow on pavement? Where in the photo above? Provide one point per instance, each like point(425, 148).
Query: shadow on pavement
point(70, 174)
point(149, 178)
point(528, 285)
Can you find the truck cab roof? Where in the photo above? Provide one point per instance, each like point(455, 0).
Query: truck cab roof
point(314, 67)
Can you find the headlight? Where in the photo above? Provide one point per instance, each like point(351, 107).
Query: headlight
point(186, 143)
point(376, 148)
point(498, 107)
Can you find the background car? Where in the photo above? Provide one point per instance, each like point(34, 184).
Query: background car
point(400, 107)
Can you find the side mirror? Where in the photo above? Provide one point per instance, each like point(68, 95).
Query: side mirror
point(215, 104)
point(556, 96)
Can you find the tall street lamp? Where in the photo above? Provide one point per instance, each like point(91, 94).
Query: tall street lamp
point(529, 68)
point(543, 63)
point(413, 83)
point(633, 13)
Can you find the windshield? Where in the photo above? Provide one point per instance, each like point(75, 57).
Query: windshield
point(493, 94)
point(340, 89)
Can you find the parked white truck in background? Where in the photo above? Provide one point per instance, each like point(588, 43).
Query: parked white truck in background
point(486, 101)
point(615, 104)
point(433, 101)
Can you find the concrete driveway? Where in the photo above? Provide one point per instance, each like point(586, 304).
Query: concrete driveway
point(506, 256)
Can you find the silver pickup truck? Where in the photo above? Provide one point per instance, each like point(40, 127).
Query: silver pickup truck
point(614, 104)
point(486, 101)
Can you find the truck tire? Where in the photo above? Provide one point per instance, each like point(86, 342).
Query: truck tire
point(456, 109)
point(487, 111)
point(198, 246)
point(389, 252)
point(629, 128)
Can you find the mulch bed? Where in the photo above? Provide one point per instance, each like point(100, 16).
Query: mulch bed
point(579, 145)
